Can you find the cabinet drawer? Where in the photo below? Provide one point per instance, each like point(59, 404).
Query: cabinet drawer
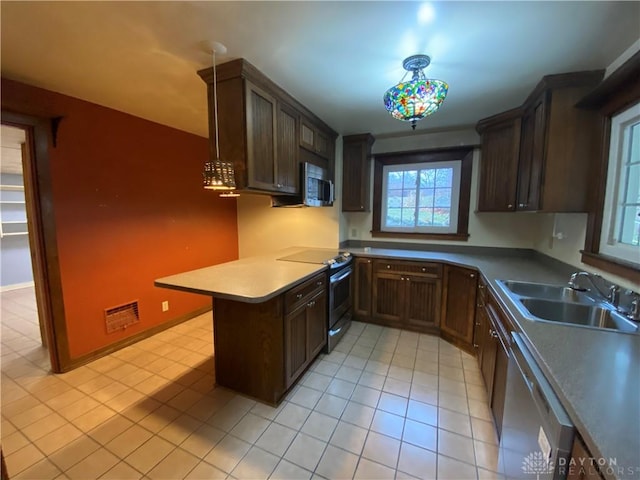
point(303, 292)
point(427, 269)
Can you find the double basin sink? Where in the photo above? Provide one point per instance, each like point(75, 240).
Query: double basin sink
point(560, 304)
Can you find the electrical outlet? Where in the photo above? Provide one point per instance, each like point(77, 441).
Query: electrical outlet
point(165, 305)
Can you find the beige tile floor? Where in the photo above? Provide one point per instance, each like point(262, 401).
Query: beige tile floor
point(385, 404)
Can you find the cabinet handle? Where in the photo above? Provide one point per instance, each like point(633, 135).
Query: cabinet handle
point(475, 345)
point(368, 261)
point(478, 323)
point(481, 287)
point(510, 206)
point(408, 279)
point(279, 185)
point(299, 296)
point(318, 283)
point(493, 333)
point(311, 304)
point(473, 275)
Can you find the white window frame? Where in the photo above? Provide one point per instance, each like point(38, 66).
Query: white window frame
point(616, 185)
point(456, 165)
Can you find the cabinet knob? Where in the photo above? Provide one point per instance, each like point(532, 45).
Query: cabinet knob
point(368, 261)
point(388, 266)
point(493, 333)
point(279, 185)
point(475, 345)
point(311, 304)
point(319, 282)
point(481, 287)
point(424, 269)
point(299, 296)
point(473, 275)
point(510, 205)
point(362, 207)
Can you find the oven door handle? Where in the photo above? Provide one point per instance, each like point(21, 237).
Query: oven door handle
point(341, 277)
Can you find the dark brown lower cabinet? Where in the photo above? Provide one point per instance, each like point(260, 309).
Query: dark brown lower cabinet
point(261, 349)
point(406, 295)
point(305, 333)
point(492, 343)
point(362, 271)
point(459, 306)
point(582, 465)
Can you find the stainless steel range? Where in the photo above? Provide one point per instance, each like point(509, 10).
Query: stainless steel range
point(339, 298)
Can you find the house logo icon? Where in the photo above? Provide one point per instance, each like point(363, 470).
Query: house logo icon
point(536, 463)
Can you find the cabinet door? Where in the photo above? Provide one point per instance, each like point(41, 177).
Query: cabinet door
point(459, 307)
point(532, 155)
point(362, 288)
point(388, 302)
point(296, 351)
point(307, 135)
point(317, 324)
point(499, 167)
point(356, 170)
point(322, 144)
point(261, 138)
point(421, 301)
point(287, 160)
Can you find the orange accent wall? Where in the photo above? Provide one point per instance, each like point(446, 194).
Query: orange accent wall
point(129, 208)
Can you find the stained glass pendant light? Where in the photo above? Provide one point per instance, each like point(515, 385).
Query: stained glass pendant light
point(413, 100)
point(219, 174)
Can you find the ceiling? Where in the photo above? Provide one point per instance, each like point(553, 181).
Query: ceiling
point(337, 58)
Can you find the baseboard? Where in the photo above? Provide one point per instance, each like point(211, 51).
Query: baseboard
point(125, 342)
point(16, 286)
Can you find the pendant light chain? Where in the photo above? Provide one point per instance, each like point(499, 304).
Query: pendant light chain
point(215, 103)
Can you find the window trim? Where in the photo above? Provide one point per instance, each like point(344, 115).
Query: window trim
point(616, 176)
point(616, 93)
point(465, 155)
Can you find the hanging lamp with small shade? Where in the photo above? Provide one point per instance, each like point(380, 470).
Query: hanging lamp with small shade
point(219, 174)
point(417, 98)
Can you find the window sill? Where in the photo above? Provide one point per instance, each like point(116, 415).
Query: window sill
point(622, 268)
point(458, 237)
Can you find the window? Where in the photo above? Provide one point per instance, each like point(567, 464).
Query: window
point(421, 197)
point(422, 194)
point(612, 229)
point(620, 234)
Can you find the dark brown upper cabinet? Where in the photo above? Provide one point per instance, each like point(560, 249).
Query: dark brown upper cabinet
point(539, 157)
point(260, 129)
point(499, 164)
point(356, 172)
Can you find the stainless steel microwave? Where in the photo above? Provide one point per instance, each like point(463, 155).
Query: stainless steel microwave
point(316, 189)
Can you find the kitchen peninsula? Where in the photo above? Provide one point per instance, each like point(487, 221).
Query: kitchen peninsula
point(579, 363)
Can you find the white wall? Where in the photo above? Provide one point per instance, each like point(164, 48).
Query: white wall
point(263, 229)
point(485, 229)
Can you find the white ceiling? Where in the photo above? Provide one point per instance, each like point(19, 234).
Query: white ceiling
point(337, 58)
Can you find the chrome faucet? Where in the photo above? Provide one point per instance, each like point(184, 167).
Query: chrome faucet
point(634, 311)
point(590, 276)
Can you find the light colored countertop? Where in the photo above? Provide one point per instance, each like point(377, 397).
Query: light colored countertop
point(596, 374)
point(250, 280)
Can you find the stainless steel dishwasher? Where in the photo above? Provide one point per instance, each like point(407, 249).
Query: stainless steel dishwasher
point(537, 433)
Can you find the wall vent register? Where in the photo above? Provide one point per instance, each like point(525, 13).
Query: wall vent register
point(121, 317)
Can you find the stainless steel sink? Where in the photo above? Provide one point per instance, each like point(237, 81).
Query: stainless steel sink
point(560, 304)
point(548, 292)
point(578, 314)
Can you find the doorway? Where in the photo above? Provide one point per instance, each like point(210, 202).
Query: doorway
point(27, 320)
point(21, 323)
